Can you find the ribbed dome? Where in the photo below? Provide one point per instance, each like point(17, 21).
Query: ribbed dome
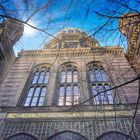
point(74, 30)
point(72, 38)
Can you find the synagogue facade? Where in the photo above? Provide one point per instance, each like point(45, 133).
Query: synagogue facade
point(71, 89)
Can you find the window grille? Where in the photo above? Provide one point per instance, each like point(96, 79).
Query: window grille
point(67, 136)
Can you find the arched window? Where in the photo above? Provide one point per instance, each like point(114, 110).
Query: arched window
point(99, 82)
point(114, 135)
point(67, 135)
point(21, 136)
point(68, 86)
point(37, 90)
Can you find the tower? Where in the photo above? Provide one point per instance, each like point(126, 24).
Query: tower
point(129, 24)
point(10, 32)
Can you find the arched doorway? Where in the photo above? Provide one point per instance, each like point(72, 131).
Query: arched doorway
point(67, 135)
point(114, 135)
point(21, 136)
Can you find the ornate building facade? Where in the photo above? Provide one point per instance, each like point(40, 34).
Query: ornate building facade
point(72, 89)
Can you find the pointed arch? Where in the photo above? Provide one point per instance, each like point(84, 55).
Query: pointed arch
point(21, 136)
point(41, 66)
point(75, 64)
point(67, 135)
point(114, 135)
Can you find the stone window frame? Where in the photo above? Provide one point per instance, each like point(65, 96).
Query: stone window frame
point(72, 84)
point(98, 84)
point(44, 67)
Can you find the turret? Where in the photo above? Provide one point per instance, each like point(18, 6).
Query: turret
point(129, 25)
point(10, 32)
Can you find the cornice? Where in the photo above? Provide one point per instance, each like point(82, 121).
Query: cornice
point(133, 45)
point(72, 52)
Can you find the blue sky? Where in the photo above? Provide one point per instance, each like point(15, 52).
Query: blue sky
point(70, 13)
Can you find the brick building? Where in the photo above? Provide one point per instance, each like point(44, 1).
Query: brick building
point(71, 89)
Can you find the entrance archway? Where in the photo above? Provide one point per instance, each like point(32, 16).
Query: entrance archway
point(21, 136)
point(67, 135)
point(114, 135)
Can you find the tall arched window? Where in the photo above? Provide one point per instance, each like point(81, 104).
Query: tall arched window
point(98, 82)
point(68, 86)
point(37, 90)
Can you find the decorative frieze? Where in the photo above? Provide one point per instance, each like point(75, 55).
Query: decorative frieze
point(72, 52)
point(67, 114)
